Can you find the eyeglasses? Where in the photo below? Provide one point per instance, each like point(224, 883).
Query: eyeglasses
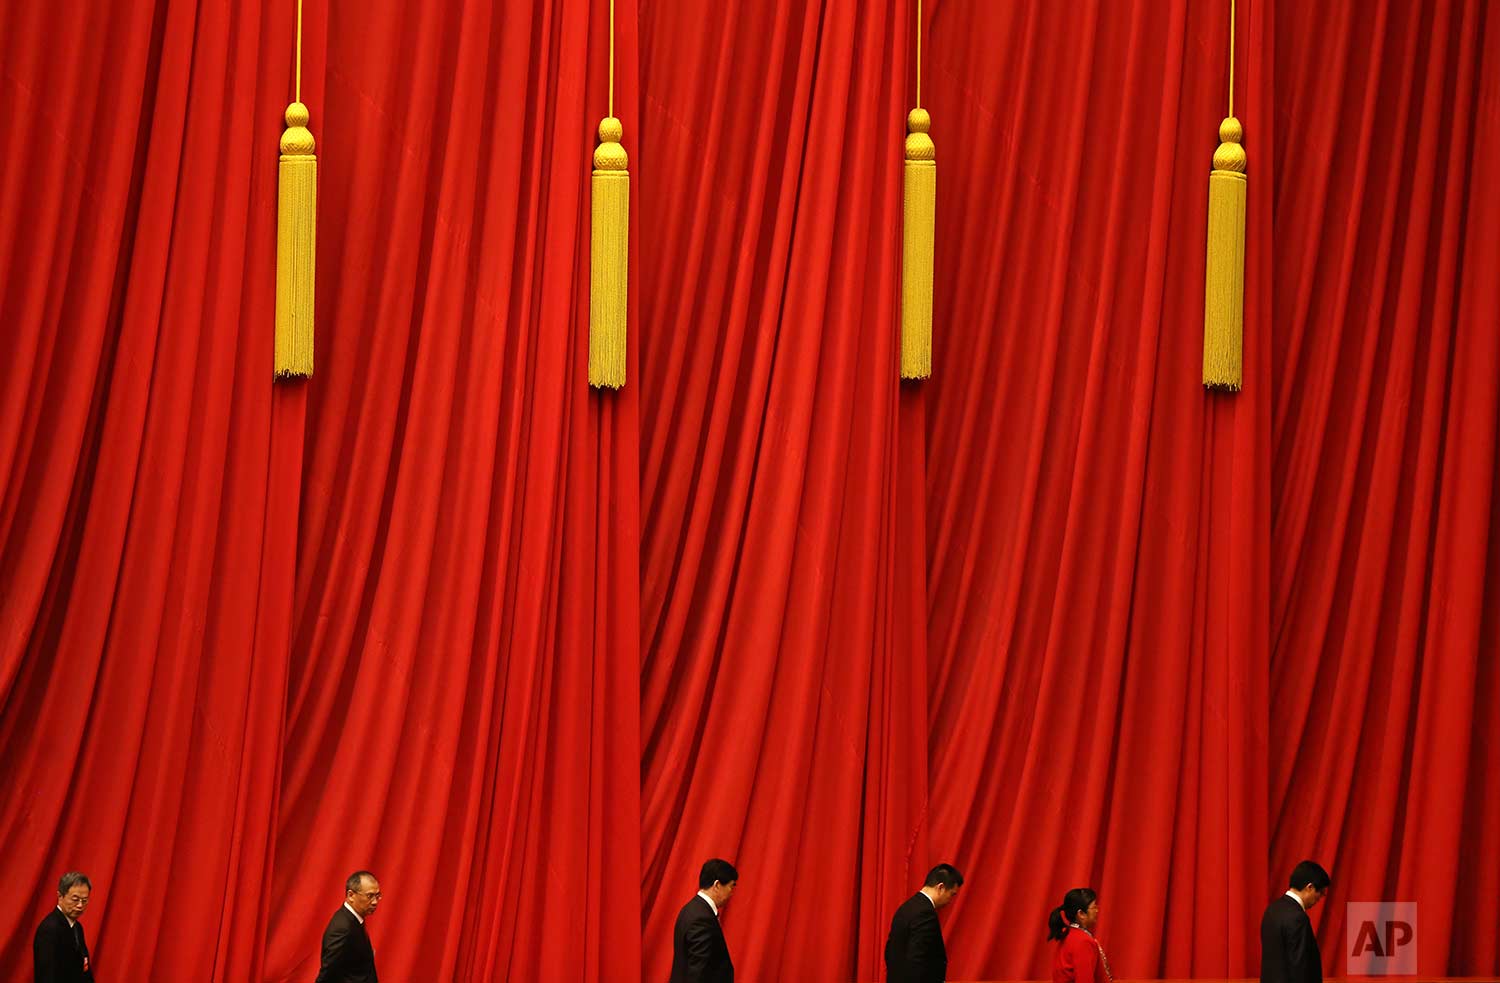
point(372, 895)
point(75, 899)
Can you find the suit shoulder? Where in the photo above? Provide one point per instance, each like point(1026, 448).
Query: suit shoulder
point(921, 907)
point(694, 910)
point(50, 923)
point(915, 909)
point(1284, 910)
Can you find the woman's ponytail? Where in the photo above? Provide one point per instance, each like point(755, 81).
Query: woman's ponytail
point(1057, 925)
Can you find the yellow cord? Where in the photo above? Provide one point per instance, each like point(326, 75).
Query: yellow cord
point(298, 97)
point(1231, 57)
point(919, 53)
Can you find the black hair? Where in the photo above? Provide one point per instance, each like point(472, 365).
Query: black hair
point(1309, 872)
point(71, 880)
point(1076, 900)
point(944, 875)
point(717, 870)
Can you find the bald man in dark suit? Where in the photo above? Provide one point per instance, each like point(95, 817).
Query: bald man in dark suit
point(348, 956)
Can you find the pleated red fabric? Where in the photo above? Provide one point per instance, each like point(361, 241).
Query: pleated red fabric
point(1097, 560)
point(533, 653)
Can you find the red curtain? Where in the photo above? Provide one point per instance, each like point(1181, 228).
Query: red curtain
point(258, 635)
point(781, 552)
point(1385, 615)
point(1097, 555)
point(532, 653)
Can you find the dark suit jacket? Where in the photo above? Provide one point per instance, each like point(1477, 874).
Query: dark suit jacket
point(914, 950)
point(347, 954)
point(59, 953)
point(1288, 951)
point(699, 952)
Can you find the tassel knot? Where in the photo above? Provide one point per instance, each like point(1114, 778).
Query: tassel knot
point(1230, 156)
point(919, 145)
point(297, 139)
point(610, 154)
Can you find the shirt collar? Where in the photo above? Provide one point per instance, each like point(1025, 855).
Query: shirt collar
point(710, 901)
point(71, 922)
point(1297, 898)
point(354, 913)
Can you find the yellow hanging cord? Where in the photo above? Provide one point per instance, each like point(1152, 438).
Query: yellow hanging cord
point(919, 54)
point(1231, 57)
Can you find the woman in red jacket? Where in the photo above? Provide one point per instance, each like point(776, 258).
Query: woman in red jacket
point(1080, 958)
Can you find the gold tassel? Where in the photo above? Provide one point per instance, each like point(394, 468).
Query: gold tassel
point(296, 235)
point(1224, 279)
point(296, 239)
point(1224, 274)
point(918, 224)
point(609, 258)
point(919, 216)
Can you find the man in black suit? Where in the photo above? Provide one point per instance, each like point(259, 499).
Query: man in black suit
point(1288, 950)
point(347, 954)
point(59, 954)
point(914, 950)
point(699, 952)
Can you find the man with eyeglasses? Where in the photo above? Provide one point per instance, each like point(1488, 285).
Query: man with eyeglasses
point(59, 954)
point(347, 954)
